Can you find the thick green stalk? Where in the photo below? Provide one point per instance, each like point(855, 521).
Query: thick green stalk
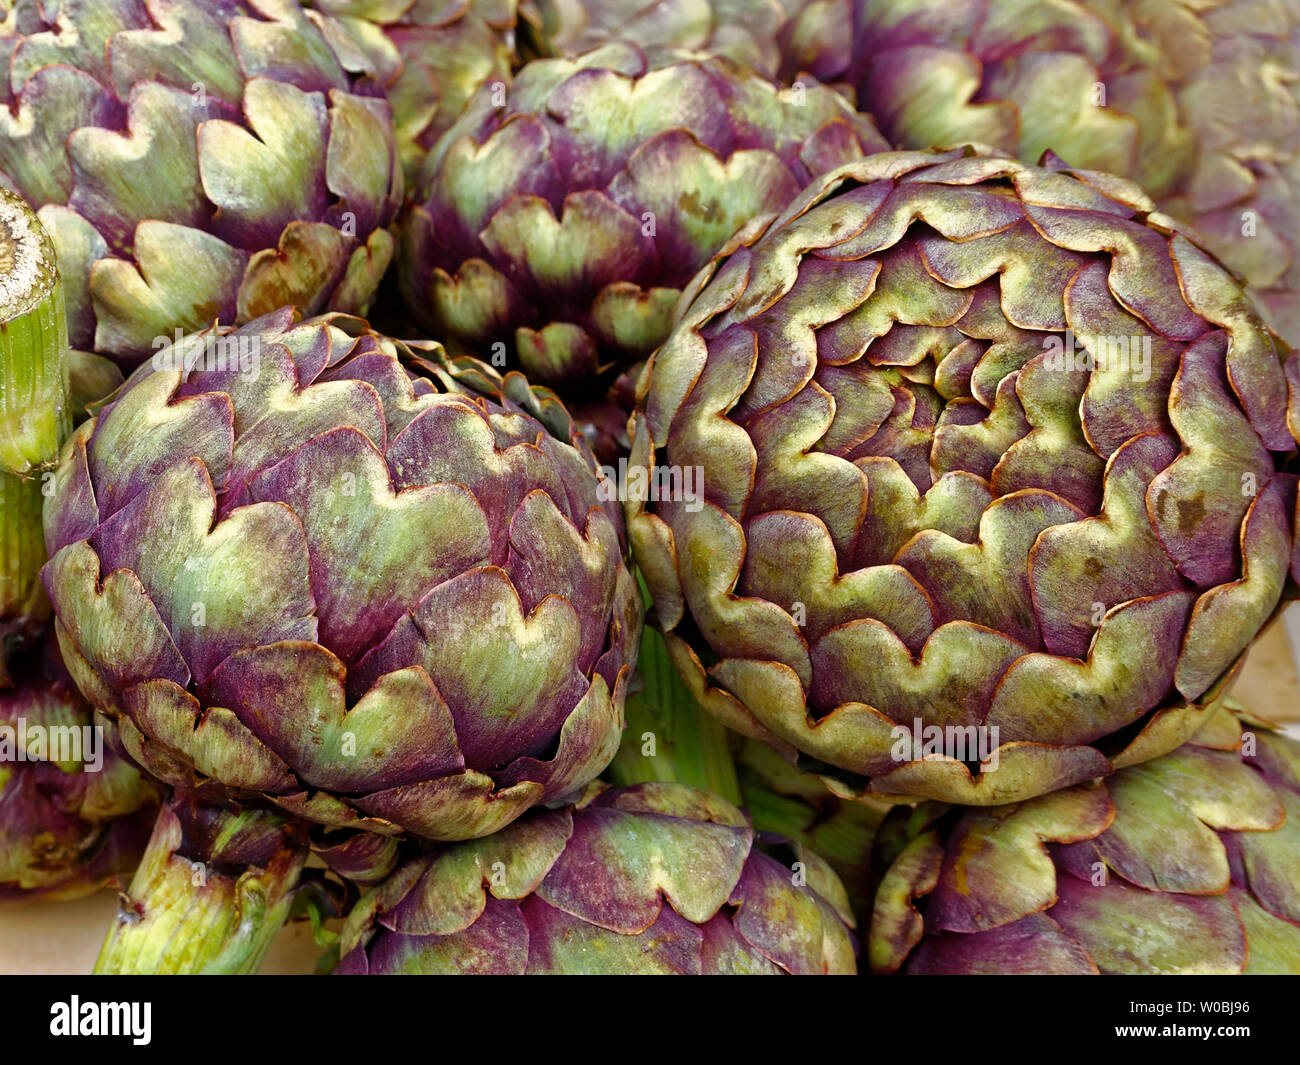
point(35, 413)
point(669, 737)
point(213, 889)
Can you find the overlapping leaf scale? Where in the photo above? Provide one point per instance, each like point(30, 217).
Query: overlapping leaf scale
point(1194, 103)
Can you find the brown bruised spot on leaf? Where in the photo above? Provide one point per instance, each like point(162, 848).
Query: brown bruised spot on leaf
point(692, 204)
point(1190, 513)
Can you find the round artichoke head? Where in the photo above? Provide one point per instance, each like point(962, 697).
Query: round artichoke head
point(296, 572)
point(558, 222)
point(1197, 103)
point(74, 812)
point(1184, 864)
point(195, 161)
point(965, 464)
point(648, 879)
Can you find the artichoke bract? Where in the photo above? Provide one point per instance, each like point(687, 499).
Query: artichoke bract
point(1197, 103)
point(428, 55)
point(656, 878)
point(74, 812)
point(557, 222)
point(965, 464)
point(195, 161)
point(1184, 864)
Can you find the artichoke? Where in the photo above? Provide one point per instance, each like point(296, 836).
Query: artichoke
point(558, 224)
point(657, 878)
point(1183, 864)
point(74, 813)
point(965, 464)
point(429, 56)
point(798, 806)
point(745, 31)
point(195, 160)
point(1196, 102)
point(212, 889)
point(300, 576)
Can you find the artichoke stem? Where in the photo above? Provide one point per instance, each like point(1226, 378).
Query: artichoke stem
point(22, 553)
point(669, 736)
point(35, 414)
point(197, 907)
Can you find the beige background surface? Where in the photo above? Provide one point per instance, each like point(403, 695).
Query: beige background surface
point(65, 937)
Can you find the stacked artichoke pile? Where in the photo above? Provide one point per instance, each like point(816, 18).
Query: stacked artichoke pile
point(712, 486)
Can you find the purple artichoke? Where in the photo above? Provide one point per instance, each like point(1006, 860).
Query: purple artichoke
point(195, 161)
point(779, 38)
point(375, 600)
point(558, 222)
point(1184, 864)
point(649, 879)
point(966, 479)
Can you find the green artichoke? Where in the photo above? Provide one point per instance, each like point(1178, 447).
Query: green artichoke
point(650, 879)
point(1196, 102)
point(300, 576)
point(35, 416)
point(74, 813)
point(195, 160)
point(556, 226)
point(1184, 864)
point(428, 55)
point(965, 479)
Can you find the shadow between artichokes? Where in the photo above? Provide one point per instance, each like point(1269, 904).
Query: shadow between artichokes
point(982, 445)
